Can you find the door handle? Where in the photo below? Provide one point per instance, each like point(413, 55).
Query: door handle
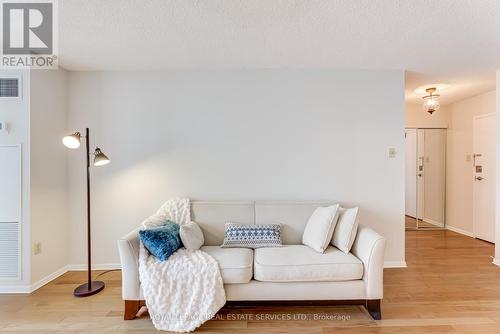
point(479, 178)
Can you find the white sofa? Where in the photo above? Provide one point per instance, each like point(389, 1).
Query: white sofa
point(293, 273)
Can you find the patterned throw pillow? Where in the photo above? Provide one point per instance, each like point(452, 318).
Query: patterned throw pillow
point(252, 236)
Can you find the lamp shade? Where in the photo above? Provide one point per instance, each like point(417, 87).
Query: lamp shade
point(72, 141)
point(100, 159)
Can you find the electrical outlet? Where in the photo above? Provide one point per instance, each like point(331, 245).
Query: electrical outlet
point(37, 248)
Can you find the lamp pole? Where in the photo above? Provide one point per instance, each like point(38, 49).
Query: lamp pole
point(89, 288)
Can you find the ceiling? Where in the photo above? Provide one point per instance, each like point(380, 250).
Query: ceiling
point(447, 41)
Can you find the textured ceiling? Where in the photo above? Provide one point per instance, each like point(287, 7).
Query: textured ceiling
point(450, 41)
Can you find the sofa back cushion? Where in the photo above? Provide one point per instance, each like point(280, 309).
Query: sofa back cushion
point(212, 216)
point(292, 216)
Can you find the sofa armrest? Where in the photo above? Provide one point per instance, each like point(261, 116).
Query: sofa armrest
point(369, 247)
point(128, 247)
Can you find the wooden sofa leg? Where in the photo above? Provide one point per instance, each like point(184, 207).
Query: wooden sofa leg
point(373, 307)
point(131, 309)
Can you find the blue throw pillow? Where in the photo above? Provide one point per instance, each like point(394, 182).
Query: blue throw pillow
point(161, 241)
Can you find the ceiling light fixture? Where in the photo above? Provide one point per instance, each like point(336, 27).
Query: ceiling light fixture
point(431, 101)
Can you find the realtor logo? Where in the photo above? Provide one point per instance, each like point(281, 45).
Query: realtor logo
point(28, 34)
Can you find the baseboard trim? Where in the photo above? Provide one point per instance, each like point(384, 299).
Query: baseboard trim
point(41, 282)
point(395, 264)
point(15, 289)
point(101, 266)
point(460, 231)
point(433, 222)
point(27, 289)
point(496, 262)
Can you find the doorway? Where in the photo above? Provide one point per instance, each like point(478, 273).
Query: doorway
point(425, 178)
point(484, 177)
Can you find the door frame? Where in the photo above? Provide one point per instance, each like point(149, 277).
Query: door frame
point(414, 172)
point(474, 118)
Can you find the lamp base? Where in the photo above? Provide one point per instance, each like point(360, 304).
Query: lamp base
point(84, 290)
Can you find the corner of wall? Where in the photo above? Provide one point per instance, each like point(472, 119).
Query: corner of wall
point(497, 236)
point(48, 189)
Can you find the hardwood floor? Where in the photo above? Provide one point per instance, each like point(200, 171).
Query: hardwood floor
point(450, 286)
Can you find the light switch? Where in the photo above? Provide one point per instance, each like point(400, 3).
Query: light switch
point(392, 152)
point(468, 158)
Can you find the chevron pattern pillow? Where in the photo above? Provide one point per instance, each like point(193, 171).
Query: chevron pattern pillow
point(252, 236)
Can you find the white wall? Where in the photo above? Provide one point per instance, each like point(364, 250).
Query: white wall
point(17, 114)
point(497, 239)
point(459, 176)
point(236, 135)
point(49, 216)
point(416, 117)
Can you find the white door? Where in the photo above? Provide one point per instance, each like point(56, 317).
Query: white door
point(484, 177)
point(411, 172)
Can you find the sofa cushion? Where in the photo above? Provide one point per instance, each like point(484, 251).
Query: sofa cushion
point(236, 264)
point(299, 263)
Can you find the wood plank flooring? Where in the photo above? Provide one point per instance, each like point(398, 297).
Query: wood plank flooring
point(450, 286)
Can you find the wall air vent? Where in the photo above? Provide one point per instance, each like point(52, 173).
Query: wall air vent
point(10, 87)
point(9, 251)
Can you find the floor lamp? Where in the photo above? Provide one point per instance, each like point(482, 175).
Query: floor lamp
point(72, 141)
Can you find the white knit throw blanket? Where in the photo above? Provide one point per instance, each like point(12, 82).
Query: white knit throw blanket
point(186, 290)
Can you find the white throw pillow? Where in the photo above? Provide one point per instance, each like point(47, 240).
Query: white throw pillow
point(319, 229)
point(347, 227)
point(191, 236)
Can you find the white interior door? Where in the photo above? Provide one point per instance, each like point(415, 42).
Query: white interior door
point(484, 177)
point(411, 172)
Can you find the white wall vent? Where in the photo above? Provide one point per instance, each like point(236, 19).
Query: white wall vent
point(9, 251)
point(10, 87)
